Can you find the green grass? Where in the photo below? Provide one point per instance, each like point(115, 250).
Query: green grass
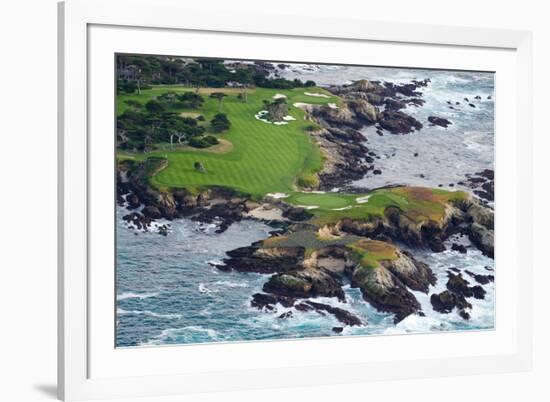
point(369, 253)
point(265, 157)
point(417, 203)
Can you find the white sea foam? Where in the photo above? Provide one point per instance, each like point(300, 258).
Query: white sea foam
point(230, 284)
point(203, 289)
point(121, 311)
point(132, 295)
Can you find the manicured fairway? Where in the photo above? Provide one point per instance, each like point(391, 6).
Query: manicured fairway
point(264, 158)
point(417, 203)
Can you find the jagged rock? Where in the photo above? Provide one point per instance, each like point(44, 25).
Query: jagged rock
point(483, 238)
point(297, 214)
point(458, 285)
point(227, 213)
point(394, 104)
point(305, 283)
point(446, 301)
point(151, 212)
point(364, 110)
point(140, 221)
point(481, 279)
point(385, 292)
point(261, 300)
point(439, 121)
point(345, 317)
point(133, 201)
point(265, 260)
point(411, 272)
point(397, 122)
point(459, 247)
point(286, 315)
point(339, 117)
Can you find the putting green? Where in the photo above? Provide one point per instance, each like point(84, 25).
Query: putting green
point(264, 158)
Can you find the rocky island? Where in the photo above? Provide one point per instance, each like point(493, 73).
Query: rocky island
point(287, 155)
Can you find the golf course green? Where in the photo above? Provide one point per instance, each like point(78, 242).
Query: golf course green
point(257, 158)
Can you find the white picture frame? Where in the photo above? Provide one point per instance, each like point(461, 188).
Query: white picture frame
point(89, 369)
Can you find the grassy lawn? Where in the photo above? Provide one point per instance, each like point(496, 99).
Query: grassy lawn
point(263, 158)
point(417, 203)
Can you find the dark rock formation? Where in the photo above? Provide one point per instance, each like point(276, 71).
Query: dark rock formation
point(460, 286)
point(265, 260)
point(151, 212)
point(446, 301)
point(439, 121)
point(297, 214)
point(261, 301)
point(397, 122)
point(481, 279)
point(345, 317)
point(459, 247)
point(305, 283)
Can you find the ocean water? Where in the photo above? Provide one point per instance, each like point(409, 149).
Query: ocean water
point(168, 293)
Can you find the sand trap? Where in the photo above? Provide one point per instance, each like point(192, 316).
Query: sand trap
point(267, 213)
point(303, 106)
point(277, 195)
point(279, 96)
point(332, 105)
point(342, 209)
point(362, 200)
point(317, 94)
point(308, 206)
point(317, 192)
point(263, 113)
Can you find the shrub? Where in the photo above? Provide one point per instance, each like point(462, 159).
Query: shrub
point(203, 142)
point(220, 123)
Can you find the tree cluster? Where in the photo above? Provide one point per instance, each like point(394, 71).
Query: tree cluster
point(135, 72)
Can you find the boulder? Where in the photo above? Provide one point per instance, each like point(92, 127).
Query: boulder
point(304, 283)
point(261, 301)
point(397, 122)
point(297, 214)
point(265, 260)
point(483, 238)
point(439, 121)
point(446, 301)
point(151, 212)
point(364, 110)
point(385, 292)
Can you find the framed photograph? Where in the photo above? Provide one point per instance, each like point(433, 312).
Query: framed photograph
point(248, 204)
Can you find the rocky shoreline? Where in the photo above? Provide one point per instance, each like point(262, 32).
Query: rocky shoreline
point(300, 274)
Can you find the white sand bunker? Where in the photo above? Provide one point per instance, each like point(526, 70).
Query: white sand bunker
point(262, 116)
point(277, 195)
point(267, 213)
point(317, 94)
point(332, 105)
point(308, 206)
point(362, 200)
point(342, 209)
point(279, 96)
